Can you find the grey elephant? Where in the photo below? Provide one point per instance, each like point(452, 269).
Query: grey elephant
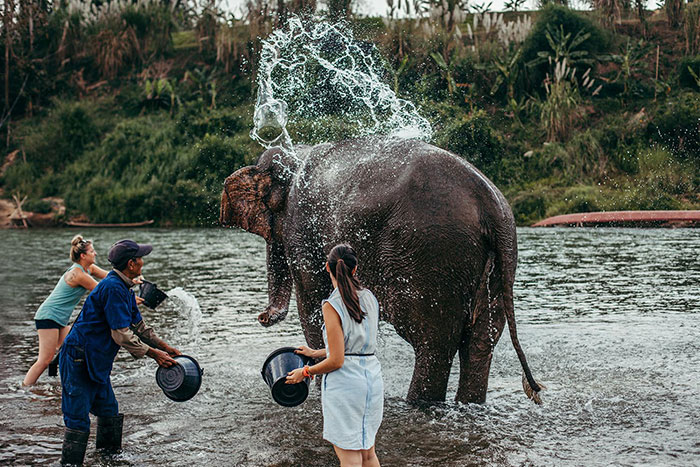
point(435, 238)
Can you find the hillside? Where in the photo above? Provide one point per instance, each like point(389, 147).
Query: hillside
point(140, 112)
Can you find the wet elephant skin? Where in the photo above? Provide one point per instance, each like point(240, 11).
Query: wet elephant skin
point(435, 238)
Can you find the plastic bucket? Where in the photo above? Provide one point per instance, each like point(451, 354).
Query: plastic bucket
point(182, 381)
point(274, 373)
point(151, 294)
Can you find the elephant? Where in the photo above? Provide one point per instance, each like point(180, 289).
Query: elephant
point(435, 238)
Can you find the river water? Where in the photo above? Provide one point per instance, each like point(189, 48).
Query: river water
point(608, 318)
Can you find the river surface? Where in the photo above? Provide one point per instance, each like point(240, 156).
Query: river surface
point(608, 318)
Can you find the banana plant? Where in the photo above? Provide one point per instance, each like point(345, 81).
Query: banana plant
point(630, 59)
point(205, 84)
point(563, 46)
point(514, 5)
point(160, 93)
point(446, 71)
point(694, 75)
point(508, 71)
point(401, 70)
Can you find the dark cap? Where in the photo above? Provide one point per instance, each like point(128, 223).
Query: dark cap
point(121, 252)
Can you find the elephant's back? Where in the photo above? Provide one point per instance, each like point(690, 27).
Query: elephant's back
point(403, 195)
point(373, 175)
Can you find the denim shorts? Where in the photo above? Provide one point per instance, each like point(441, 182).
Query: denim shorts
point(47, 324)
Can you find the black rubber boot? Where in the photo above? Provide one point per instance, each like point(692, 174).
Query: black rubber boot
point(53, 366)
point(74, 446)
point(109, 433)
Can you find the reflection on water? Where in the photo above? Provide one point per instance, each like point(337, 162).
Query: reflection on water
point(608, 319)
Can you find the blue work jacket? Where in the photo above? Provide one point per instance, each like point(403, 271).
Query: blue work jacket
point(110, 305)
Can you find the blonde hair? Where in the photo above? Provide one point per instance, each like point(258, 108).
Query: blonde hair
point(78, 246)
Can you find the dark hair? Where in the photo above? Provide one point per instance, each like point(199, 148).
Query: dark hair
point(78, 246)
point(342, 260)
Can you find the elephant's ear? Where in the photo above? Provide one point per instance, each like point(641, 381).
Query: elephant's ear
point(244, 201)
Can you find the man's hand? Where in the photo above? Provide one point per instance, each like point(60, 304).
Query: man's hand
point(172, 351)
point(162, 358)
point(139, 300)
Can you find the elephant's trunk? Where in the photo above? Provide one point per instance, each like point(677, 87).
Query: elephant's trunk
point(279, 285)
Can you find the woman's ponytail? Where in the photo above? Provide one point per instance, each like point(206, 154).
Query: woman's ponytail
point(78, 246)
point(342, 261)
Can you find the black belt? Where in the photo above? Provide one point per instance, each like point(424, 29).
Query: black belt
point(359, 354)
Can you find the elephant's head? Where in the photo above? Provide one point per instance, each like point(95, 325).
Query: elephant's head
point(254, 195)
point(254, 199)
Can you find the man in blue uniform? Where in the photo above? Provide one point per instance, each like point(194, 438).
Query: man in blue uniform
point(109, 320)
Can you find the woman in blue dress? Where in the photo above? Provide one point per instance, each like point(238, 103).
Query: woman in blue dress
point(352, 391)
point(52, 317)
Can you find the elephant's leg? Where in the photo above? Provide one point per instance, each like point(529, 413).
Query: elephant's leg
point(476, 351)
point(311, 318)
point(431, 370)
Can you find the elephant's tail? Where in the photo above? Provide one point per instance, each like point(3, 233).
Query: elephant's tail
point(530, 386)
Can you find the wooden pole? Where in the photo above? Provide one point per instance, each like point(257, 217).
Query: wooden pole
point(656, 78)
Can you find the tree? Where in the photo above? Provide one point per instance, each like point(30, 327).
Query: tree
point(674, 12)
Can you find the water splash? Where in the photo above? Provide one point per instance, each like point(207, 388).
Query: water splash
point(187, 305)
point(320, 80)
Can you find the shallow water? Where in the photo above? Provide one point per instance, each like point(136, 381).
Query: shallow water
point(608, 318)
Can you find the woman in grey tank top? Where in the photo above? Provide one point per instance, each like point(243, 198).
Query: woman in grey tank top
point(352, 391)
point(53, 314)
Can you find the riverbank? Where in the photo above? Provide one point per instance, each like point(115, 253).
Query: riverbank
point(155, 138)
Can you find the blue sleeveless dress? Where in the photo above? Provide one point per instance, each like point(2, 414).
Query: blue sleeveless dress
point(59, 305)
point(352, 396)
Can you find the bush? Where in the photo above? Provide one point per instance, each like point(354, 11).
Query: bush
point(552, 17)
point(677, 126)
point(685, 78)
point(473, 138)
point(20, 176)
point(61, 137)
point(36, 205)
point(529, 206)
point(197, 122)
point(214, 158)
point(576, 199)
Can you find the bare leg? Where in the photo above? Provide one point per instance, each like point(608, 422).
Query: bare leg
point(348, 458)
point(62, 333)
point(369, 458)
point(48, 343)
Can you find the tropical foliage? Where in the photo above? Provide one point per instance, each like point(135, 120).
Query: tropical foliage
point(133, 110)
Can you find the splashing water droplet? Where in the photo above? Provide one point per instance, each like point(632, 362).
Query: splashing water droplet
point(187, 305)
point(318, 79)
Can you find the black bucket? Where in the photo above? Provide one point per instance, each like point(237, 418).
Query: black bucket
point(182, 381)
point(274, 372)
point(151, 294)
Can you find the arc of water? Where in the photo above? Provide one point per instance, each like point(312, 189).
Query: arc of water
point(353, 73)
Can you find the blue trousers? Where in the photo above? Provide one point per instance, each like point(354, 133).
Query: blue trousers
point(80, 395)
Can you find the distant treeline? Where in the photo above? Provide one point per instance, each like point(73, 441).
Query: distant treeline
point(139, 110)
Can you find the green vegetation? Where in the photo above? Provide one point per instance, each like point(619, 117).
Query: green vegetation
point(139, 111)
